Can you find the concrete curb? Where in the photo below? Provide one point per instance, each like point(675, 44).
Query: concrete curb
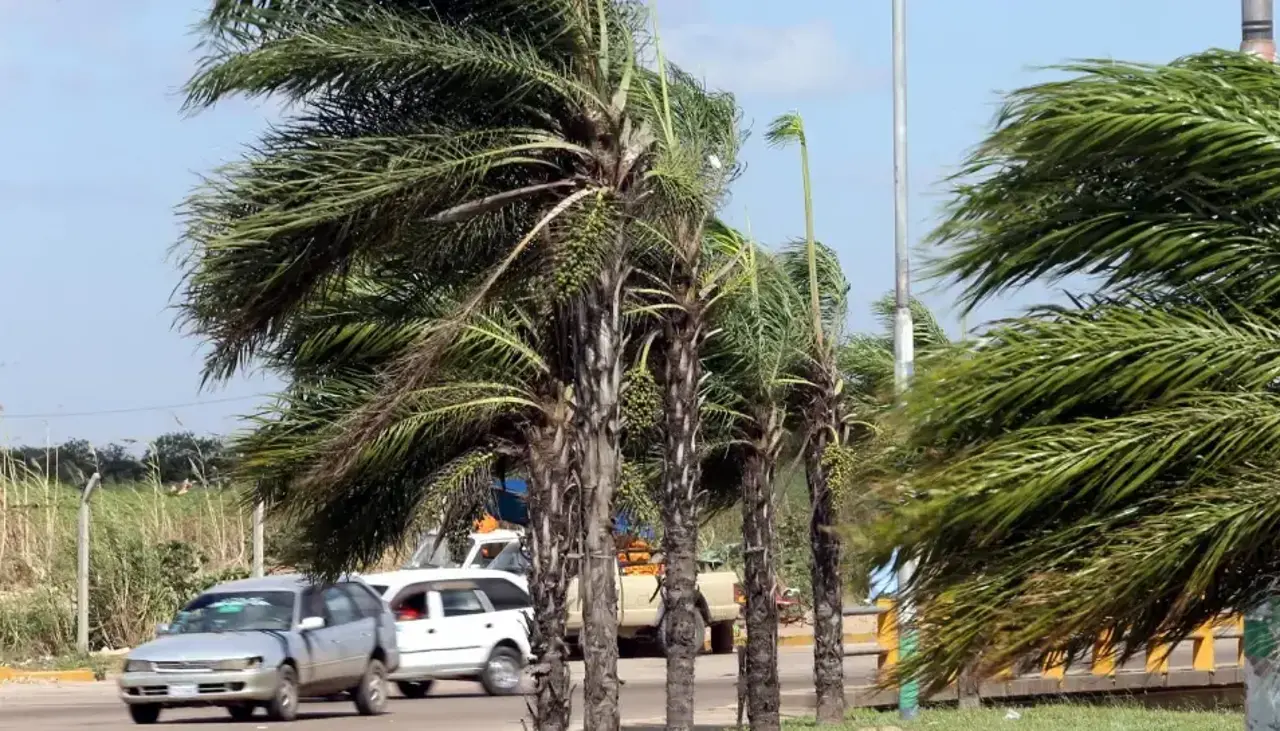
point(807, 640)
point(17, 675)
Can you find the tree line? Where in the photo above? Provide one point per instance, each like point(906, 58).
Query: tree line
point(169, 458)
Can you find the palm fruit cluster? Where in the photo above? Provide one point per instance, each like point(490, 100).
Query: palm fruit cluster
point(641, 400)
point(581, 235)
point(635, 496)
point(840, 463)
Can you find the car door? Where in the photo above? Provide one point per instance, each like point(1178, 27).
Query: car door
point(319, 668)
point(467, 623)
point(512, 610)
point(369, 614)
point(343, 630)
point(417, 632)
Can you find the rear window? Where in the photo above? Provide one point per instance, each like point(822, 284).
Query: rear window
point(381, 589)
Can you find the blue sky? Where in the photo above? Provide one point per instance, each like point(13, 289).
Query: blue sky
point(97, 155)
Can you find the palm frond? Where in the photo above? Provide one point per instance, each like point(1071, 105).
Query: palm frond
point(1152, 176)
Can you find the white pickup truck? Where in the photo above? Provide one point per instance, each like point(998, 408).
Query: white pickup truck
point(640, 605)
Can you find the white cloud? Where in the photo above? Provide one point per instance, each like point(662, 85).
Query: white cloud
point(800, 59)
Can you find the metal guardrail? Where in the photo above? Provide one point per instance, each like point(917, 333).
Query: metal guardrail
point(1100, 672)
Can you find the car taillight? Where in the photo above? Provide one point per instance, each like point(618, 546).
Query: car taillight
point(739, 595)
point(406, 614)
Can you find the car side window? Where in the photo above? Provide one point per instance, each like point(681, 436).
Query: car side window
point(461, 602)
point(312, 604)
point(338, 607)
point(367, 604)
point(504, 595)
point(411, 604)
point(486, 554)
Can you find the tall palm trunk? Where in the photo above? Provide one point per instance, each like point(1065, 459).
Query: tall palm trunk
point(828, 615)
point(553, 528)
point(760, 576)
point(598, 390)
point(681, 472)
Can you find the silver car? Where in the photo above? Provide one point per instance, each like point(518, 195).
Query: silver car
point(266, 643)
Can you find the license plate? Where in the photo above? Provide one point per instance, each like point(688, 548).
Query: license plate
point(186, 690)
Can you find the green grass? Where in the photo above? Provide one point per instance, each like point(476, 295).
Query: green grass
point(1066, 717)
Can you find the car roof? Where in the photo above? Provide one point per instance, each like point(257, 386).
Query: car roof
point(277, 582)
point(404, 577)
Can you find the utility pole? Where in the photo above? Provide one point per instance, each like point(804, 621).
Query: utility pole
point(903, 332)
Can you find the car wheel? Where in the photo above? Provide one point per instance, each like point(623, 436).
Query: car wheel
point(283, 706)
point(699, 633)
point(502, 672)
point(414, 688)
point(371, 695)
point(722, 638)
point(241, 712)
point(145, 715)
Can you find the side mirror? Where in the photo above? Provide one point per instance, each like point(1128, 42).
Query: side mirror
point(309, 623)
point(162, 628)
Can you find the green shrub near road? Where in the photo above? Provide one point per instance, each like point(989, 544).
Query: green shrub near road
point(150, 551)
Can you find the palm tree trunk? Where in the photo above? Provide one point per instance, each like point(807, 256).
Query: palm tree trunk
point(552, 529)
point(828, 619)
point(760, 577)
point(598, 390)
point(681, 471)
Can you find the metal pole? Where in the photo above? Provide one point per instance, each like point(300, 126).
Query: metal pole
point(82, 568)
point(903, 332)
point(259, 513)
point(1262, 622)
point(1257, 28)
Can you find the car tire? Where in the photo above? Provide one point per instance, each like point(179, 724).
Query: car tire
point(371, 695)
point(241, 711)
point(283, 706)
point(722, 638)
point(502, 672)
point(414, 688)
point(145, 715)
point(699, 631)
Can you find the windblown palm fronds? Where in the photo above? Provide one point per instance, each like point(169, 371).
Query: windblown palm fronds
point(1109, 467)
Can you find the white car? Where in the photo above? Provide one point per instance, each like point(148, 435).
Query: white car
point(469, 624)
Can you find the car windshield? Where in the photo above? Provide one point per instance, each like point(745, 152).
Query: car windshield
point(242, 611)
point(440, 558)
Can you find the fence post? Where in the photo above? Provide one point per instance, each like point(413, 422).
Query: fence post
point(259, 511)
point(82, 567)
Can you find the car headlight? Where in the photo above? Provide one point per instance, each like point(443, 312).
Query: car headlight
point(244, 663)
point(138, 666)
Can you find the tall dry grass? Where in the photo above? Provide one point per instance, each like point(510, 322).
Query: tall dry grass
point(149, 550)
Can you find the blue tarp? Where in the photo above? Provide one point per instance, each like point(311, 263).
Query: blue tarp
point(509, 506)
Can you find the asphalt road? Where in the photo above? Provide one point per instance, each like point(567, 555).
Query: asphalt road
point(459, 706)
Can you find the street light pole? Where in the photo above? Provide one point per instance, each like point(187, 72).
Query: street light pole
point(1262, 621)
point(1257, 28)
point(903, 332)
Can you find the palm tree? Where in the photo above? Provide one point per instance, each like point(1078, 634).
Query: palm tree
point(874, 450)
point(501, 404)
point(454, 138)
point(752, 366)
point(820, 428)
point(689, 258)
point(1106, 468)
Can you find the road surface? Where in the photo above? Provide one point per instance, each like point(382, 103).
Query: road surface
point(458, 705)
